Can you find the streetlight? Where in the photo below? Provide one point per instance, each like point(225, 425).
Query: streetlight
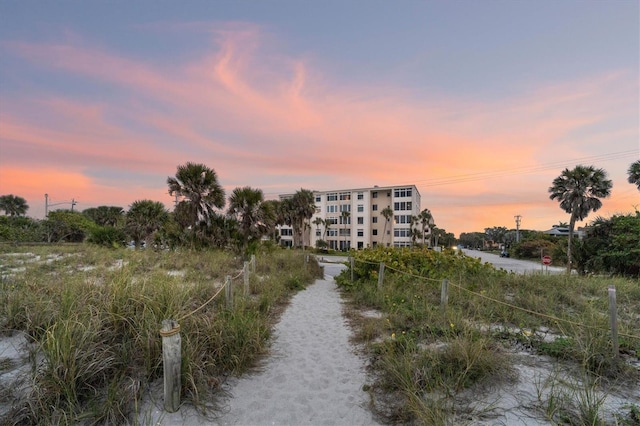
point(73, 202)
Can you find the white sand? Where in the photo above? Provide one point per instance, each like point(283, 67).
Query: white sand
point(312, 376)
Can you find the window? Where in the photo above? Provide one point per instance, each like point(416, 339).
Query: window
point(374, 194)
point(360, 220)
point(374, 219)
point(360, 232)
point(402, 192)
point(332, 209)
point(318, 198)
point(374, 232)
point(345, 196)
point(286, 232)
point(318, 233)
point(345, 207)
point(402, 205)
point(374, 207)
point(332, 232)
point(332, 196)
point(403, 218)
point(402, 232)
point(345, 220)
point(360, 208)
point(317, 209)
point(345, 232)
point(360, 195)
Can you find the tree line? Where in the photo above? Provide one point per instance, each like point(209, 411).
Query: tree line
point(199, 220)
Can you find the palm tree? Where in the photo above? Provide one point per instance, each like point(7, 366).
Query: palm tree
point(387, 213)
point(634, 174)
point(345, 219)
point(13, 205)
point(425, 218)
point(301, 209)
point(144, 218)
point(246, 205)
point(198, 185)
point(317, 222)
point(579, 192)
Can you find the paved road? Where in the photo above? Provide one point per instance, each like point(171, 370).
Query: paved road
point(513, 265)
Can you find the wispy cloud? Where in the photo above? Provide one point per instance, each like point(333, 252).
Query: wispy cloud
point(268, 120)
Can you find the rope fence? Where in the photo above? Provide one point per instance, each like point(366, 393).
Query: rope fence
point(172, 341)
point(444, 298)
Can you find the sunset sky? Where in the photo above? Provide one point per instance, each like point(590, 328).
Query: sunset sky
point(480, 104)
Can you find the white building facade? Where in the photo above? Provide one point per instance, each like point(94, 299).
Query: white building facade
point(352, 218)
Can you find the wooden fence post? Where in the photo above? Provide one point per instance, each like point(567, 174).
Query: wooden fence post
point(171, 359)
point(444, 294)
point(245, 274)
point(253, 263)
point(352, 262)
point(228, 291)
point(381, 275)
point(614, 320)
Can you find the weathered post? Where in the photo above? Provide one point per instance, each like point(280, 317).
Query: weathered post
point(444, 294)
point(228, 291)
point(352, 262)
point(381, 275)
point(171, 358)
point(245, 274)
point(614, 320)
point(253, 263)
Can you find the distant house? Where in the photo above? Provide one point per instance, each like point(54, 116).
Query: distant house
point(563, 231)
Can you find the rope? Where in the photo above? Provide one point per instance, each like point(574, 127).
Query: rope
point(551, 317)
point(175, 330)
point(210, 299)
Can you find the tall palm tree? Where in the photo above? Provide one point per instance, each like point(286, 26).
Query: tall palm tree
point(345, 219)
point(246, 205)
point(200, 190)
point(144, 218)
point(13, 205)
point(634, 174)
point(302, 208)
point(579, 192)
point(317, 222)
point(425, 218)
point(387, 214)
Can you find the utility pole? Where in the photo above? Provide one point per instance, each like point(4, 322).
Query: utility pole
point(518, 218)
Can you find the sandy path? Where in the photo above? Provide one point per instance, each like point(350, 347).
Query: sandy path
point(312, 376)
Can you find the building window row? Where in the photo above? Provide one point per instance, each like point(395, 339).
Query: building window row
point(402, 192)
point(332, 196)
point(402, 232)
point(402, 218)
point(345, 196)
point(402, 205)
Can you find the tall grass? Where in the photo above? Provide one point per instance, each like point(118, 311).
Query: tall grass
point(93, 318)
point(426, 354)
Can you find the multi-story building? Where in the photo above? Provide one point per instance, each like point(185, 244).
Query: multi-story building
point(353, 218)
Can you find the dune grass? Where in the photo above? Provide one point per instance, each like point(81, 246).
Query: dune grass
point(423, 355)
point(92, 318)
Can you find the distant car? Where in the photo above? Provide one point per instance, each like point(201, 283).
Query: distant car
point(504, 253)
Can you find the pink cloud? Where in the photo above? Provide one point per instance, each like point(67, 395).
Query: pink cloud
point(256, 119)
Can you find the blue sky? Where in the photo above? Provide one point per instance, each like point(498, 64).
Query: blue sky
point(100, 101)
